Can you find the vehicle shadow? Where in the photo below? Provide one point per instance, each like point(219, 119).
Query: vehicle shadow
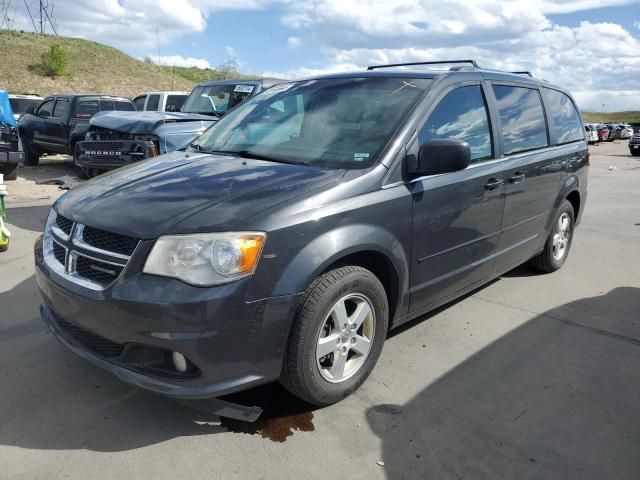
point(30, 218)
point(54, 400)
point(555, 398)
point(48, 167)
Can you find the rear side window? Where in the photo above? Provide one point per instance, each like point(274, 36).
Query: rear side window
point(124, 106)
point(139, 102)
point(176, 101)
point(564, 119)
point(153, 102)
point(462, 114)
point(86, 109)
point(61, 108)
point(106, 105)
point(522, 118)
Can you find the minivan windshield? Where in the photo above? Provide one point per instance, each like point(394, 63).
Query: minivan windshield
point(216, 99)
point(334, 122)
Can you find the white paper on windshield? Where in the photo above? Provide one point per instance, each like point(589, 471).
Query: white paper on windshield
point(243, 88)
point(281, 87)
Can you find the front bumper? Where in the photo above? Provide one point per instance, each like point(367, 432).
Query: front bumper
point(11, 157)
point(234, 344)
point(111, 154)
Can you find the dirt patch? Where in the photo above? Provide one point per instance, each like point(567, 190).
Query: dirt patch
point(25, 189)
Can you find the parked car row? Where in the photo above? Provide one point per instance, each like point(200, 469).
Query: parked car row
point(102, 132)
point(607, 132)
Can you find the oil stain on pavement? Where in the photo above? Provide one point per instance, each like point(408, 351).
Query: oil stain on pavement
point(282, 416)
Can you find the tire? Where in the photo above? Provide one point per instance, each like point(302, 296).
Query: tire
point(635, 153)
point(82, 172)
point(10, 171)
point(31, 154)
point(553, 255)
point(311, 378)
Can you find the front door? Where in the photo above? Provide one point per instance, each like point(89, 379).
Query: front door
point(456, 216)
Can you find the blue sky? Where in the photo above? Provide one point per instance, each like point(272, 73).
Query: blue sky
point(592, 50)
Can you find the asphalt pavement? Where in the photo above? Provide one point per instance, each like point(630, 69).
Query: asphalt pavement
point(530, 377)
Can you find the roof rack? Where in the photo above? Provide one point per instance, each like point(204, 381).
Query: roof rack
point(523, 72)
point(472, 62)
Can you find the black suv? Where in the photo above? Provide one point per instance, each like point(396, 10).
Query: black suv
point(60, 121)
point(286, 241)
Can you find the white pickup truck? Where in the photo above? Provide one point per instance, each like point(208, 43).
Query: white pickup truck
point(160, 101)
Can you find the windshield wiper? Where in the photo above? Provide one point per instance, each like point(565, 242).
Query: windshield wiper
point(259, 156)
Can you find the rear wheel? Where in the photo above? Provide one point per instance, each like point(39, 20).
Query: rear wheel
point(31, 154)
point(337, 337)
point(10, 171)
point(558, 244)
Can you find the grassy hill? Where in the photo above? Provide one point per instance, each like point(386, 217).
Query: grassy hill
point(93, 67)
point(615, 117)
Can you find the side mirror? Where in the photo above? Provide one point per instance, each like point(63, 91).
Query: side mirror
point(29, 110)
point(440, 155)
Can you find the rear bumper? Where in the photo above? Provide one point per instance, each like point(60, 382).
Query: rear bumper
point(126, 329)
point(113, 154)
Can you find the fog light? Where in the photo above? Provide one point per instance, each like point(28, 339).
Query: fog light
point(179, 362)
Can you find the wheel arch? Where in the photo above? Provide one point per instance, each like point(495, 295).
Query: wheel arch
point(367, 246)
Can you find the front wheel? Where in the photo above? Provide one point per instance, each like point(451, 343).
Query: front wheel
point(337, 336)
point(556, 248)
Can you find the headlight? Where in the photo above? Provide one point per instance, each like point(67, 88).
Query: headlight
point(206, 259)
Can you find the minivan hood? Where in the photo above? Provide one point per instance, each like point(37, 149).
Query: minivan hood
point(143, 123)
point(188, 193)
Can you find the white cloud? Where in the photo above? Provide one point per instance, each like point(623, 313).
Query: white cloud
point(594, 59)
point(180, 61)
point(231, 52)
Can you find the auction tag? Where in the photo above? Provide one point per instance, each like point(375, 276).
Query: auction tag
point(360, 157)
point(243, 88)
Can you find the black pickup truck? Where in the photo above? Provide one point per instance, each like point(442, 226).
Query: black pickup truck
point(61, 121)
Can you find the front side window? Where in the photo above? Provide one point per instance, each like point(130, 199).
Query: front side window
point(565, 121)
point(461, 114)
point(522, 118)
point(139, 102)
point(334, 122)
point(46, 109)
point(61, 108)
point(153, 102)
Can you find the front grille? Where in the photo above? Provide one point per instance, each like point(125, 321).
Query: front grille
point(103, 146)
point(59, 253)
point(91, 341)
point(96, 271)
point(111, 242)
point(64, 224)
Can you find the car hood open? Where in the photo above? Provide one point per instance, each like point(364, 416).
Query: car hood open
point(188, 193)
point(144, 123)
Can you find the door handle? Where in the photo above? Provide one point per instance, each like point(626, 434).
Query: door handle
point(517, 177)
point(493, 183)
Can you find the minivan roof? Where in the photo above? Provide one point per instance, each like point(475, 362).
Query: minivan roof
point(396, 71)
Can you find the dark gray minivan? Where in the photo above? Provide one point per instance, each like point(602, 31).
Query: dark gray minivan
point(287, 240)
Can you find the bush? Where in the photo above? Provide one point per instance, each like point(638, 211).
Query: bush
point(55, 61)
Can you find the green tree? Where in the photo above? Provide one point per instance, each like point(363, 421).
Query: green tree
point(55, 61)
